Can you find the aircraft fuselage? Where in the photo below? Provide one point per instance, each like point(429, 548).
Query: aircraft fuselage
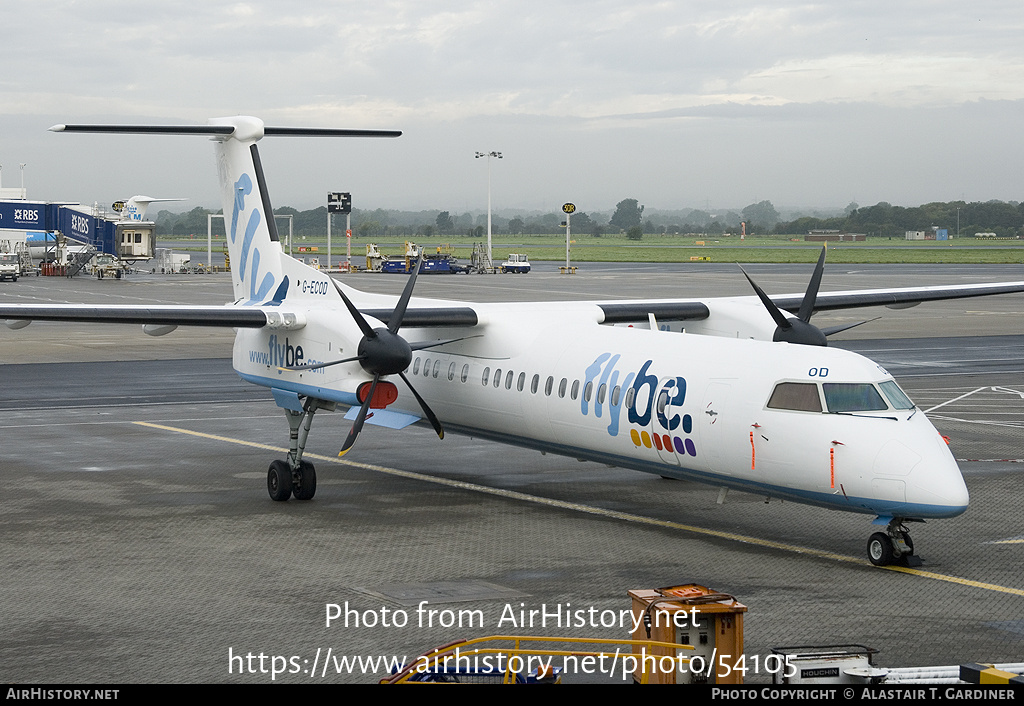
point(681, 405)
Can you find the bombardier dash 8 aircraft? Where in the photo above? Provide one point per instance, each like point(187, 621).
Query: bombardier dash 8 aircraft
point(735, 392)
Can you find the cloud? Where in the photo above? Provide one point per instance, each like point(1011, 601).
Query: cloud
point(603, 98)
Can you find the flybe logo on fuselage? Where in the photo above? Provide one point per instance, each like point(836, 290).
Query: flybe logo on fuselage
point(655, 407)
point(282, 354)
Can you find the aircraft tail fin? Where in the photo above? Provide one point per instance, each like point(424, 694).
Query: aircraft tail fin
point(258, 271)
point(134, 209)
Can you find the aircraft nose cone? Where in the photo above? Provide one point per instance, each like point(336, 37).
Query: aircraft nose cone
point(955, 493)
point(940, 484)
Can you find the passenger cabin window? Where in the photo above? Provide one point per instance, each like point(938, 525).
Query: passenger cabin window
point(575, 391)
point(797, 396)
point(437, 366)
point(561, 387)
point(416, 367)
point(486, 377)
point(508, 380)
point(521, 382)
point(534, 383)
point(465, 372)
point(451, 371)
point(548, 386)
point(853, 397)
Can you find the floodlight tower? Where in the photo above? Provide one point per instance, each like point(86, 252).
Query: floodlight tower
point(490, 258)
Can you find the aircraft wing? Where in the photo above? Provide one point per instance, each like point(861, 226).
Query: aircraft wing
point(225, 316)
point(214, 316)
point(896, 298)
point(664, 310)
point(445, 316)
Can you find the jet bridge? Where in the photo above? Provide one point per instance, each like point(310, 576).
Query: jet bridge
point(71, 228)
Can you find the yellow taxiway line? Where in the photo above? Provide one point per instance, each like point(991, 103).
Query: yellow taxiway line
point(601, 512)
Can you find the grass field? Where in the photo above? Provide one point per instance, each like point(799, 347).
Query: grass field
point(661, 248)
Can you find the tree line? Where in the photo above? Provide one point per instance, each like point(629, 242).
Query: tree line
point(630, 217)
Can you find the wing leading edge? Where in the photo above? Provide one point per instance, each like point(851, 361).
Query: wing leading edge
point(224, 316)
point(898, 298)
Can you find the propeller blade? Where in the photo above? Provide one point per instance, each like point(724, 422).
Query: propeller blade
point(363, 324)
point(399, 313)
point(807, 305)
point(780, 319)
point(434, 421)
point(357, 426)
point(318, 365)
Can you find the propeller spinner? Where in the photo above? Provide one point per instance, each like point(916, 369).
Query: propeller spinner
point(383, 352)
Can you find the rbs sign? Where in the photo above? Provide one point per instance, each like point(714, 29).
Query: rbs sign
point(22, 215)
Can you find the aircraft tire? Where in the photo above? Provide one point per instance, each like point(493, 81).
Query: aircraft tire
point(279, 481)
point(880, 551)
point(307, 487)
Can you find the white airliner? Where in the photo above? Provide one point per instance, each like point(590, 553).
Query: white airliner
point(714, 390)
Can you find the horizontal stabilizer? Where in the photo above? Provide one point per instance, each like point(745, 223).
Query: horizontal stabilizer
point(217, 130)
point(148, 129)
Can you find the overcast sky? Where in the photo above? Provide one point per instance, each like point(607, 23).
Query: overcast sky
point(677, 104)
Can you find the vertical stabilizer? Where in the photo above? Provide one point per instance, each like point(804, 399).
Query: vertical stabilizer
point(135, 208)
point(248, 217)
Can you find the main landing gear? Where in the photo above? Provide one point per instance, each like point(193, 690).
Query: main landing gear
point(894, 546)
point(293, 476)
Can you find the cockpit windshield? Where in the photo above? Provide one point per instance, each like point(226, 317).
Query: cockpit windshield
point(840, 397)
point(796, 396)
point(897, 397)
point(853, 397)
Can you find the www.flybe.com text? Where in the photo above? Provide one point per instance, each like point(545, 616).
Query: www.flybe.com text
point(282, 353)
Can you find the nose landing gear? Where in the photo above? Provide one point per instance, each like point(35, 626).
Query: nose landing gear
point(894, 546)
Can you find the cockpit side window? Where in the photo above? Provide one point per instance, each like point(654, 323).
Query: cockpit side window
point(897, 397)
point(853, 397)
point(797, 396)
